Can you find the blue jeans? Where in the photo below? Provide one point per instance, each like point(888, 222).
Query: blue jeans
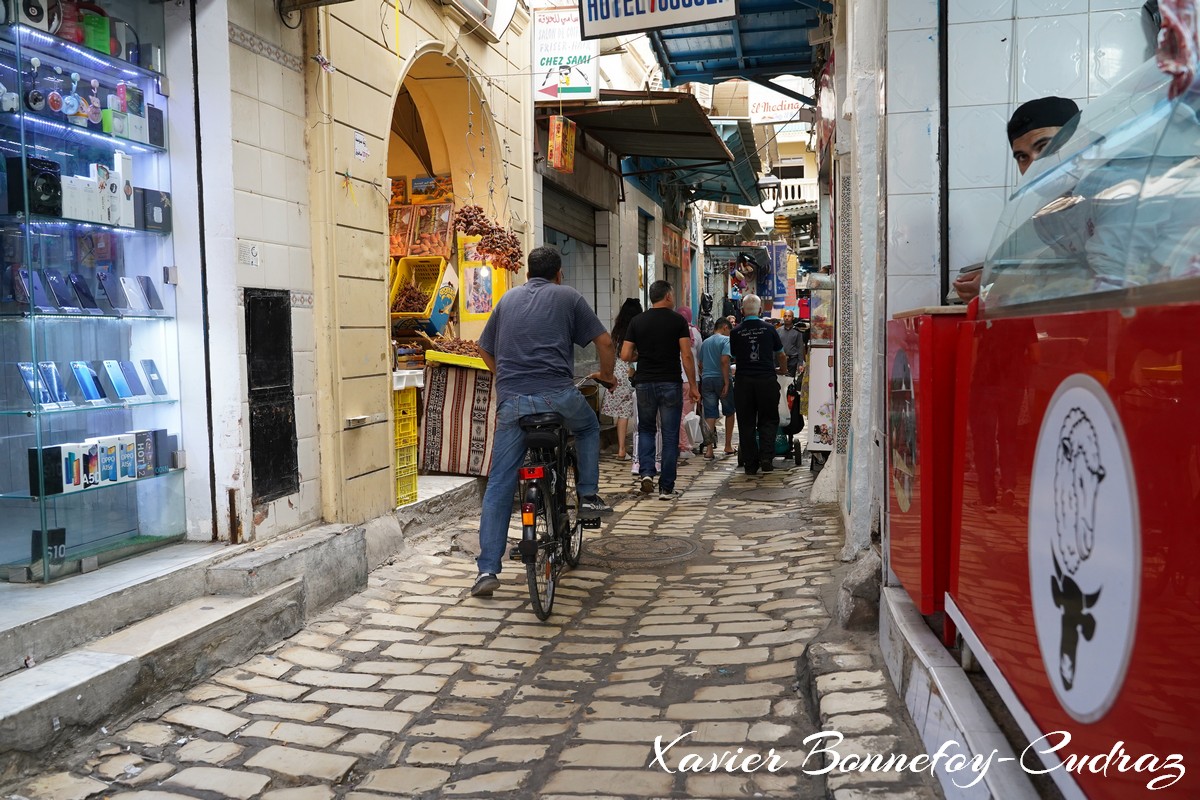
point(659, 404)
point(508, 454)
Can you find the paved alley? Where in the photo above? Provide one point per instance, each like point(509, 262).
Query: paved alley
point(684, 618)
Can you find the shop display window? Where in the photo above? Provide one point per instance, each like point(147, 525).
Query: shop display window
point(1110, 212)
point(91, 460)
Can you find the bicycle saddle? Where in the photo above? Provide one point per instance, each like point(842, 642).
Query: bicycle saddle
point(540, 420)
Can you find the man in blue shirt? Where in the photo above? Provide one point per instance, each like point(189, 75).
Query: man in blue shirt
point(528, 344)
point(758, 354)
point(715, 382)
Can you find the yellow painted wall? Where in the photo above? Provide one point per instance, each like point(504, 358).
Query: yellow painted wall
point(349, 214)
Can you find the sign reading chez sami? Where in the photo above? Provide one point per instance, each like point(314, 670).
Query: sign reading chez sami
point(599, 18)
point(565, 67)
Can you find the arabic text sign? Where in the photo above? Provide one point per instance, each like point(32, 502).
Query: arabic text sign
point(600, 18)
point(564, 66)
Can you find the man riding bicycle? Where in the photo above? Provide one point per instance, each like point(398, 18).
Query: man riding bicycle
point(528, 343)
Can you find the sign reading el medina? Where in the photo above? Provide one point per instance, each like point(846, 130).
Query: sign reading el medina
point(564, 66)
point(600, 18)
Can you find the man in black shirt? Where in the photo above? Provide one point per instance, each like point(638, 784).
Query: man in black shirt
point(758, 353)
point(657, 340)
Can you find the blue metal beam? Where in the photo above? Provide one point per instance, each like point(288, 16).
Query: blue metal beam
point(817, 5)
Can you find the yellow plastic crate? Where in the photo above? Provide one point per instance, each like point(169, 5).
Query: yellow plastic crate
point(438, 357)
point(404, 406)
point(406, 486)
point(406, 458)
point(427, 271)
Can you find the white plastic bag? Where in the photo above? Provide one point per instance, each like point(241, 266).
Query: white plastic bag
point(694, 428)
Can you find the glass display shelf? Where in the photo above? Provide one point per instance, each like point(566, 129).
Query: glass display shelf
point(39, 221)
point(68, 132)
point(40, 43)
point(92, 489)
point(79, 409)
point(26, 315)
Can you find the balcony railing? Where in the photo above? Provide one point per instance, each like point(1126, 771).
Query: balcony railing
point(798, 190)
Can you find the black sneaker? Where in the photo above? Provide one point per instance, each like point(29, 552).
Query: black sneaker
point(751, 470)
point(594, 504)
point(667, 495)
point(647, 484)
point(485, 584)
point(767, 466)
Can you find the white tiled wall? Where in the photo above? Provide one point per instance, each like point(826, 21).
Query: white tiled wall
point(1004, 53)
point(270, 181)
point(913, 123)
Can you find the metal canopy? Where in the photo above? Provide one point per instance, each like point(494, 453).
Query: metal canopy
point(651, 125)
point(733, 181)
point(767, 40)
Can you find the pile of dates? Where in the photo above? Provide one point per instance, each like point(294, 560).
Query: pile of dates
point(500, 245)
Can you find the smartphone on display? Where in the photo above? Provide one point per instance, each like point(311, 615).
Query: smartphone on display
point(156, 382)
point(34, 286)
point(131, 377)
point(61, 291)
point(152, 299)
point(87, 300)
point(53, 382)
point(33, 383)
point(137, 302)
point(113, 291)
point(88, 380)
point(118, 379)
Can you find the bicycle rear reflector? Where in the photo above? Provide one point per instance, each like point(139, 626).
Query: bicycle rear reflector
point(527, 513)
point(532, 473)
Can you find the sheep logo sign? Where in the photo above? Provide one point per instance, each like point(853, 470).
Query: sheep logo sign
point(1085, 558)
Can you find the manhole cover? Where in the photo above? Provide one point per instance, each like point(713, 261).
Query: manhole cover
point(639, 551)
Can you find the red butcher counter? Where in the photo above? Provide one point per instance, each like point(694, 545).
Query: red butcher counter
point(1075, 551)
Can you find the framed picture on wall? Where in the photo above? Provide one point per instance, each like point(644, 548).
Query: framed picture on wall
point(399, 193)
point(482, 284)
point(431, 229)
point(400, 223)
point(438, 189)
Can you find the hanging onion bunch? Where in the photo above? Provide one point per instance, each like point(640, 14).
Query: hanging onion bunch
point(503, 249)
point(500, 245)
point(472, 221)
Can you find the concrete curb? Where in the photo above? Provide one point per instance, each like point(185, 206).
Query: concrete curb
point(942, 703)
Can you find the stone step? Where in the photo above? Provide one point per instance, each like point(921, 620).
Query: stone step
point(42, 622)
point(74, 693)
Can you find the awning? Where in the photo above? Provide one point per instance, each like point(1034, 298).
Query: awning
point(651, 125)
point(734, 181)
point(715, 159)
point(767, 40)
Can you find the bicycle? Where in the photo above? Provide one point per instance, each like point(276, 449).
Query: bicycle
point(551, 524)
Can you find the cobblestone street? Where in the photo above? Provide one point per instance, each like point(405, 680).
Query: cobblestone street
point(414, 689)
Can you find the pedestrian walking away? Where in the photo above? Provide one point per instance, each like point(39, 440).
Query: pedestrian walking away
point(534, 364)
point(659, 341)
point(716, 388)
point(758, 355)
point(619, 403)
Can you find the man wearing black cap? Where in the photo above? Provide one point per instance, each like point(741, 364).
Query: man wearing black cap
point(1034, 124)
point(1030, 129)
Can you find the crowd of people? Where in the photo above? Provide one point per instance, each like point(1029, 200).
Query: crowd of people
point(656, 368)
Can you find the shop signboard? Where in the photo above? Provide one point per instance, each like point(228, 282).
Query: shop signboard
point(600, 18)
point(564, 66)
point(672, 246)
point(561, 144)
point(768, 107)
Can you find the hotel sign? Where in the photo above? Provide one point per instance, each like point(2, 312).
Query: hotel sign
point(600, 18)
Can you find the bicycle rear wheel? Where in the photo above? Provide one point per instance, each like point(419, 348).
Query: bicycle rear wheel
point(542, 574)
point(573, 546)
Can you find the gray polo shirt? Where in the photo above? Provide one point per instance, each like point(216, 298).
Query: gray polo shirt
point(793, 343)
point(532, 333)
